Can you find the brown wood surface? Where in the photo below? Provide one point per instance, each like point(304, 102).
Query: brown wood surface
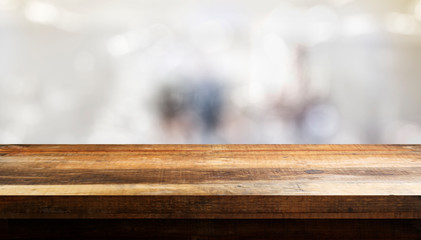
point(210, 181)
point(198, 229)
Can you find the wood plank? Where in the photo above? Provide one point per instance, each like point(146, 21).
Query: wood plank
point(210, 181)
point(211, 207)
point(296, 229)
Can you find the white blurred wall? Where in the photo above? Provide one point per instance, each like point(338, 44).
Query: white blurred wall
point(307, 71)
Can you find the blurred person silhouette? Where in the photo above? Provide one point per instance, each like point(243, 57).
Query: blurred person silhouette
point(176, 120)
point(191, 110)
point(206, 102)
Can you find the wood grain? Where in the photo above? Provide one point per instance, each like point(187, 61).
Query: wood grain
point(210, 181)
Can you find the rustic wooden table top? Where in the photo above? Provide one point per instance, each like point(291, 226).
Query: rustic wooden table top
point(210, 181)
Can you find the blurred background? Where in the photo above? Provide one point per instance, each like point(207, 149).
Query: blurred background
point(209, 71)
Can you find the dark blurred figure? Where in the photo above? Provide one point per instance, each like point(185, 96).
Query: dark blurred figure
point(207, 102)
point(193, 109)
point(172, 101)
point(176, 120)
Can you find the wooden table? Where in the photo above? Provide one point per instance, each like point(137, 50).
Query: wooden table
point(210, 191)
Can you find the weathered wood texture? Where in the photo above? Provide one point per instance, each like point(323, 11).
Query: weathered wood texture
point(210, 181)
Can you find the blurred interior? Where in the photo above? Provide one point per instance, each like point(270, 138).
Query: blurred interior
point(232, 71)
